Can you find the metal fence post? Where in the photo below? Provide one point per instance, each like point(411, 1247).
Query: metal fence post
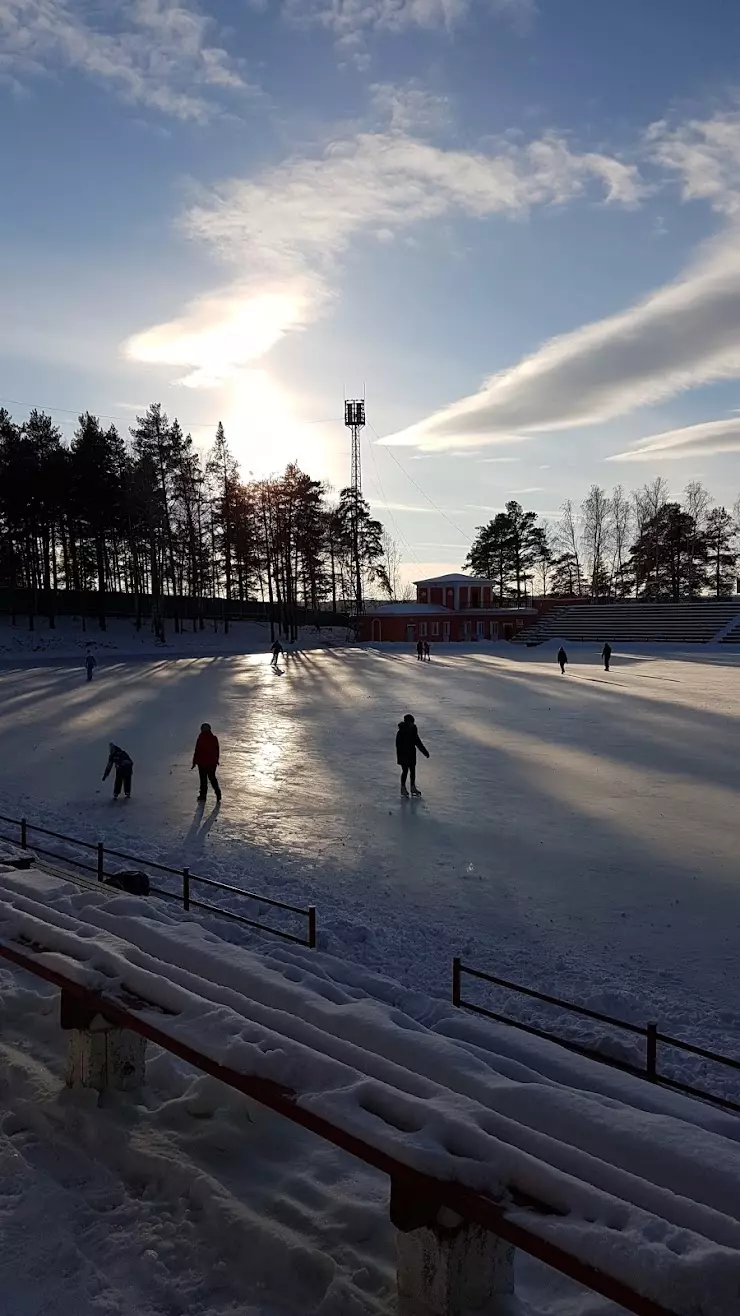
point(312, 926)
point(186, 888)
point(24, 842)
point(652, 1052)
point(456, 980)
point(101, 861)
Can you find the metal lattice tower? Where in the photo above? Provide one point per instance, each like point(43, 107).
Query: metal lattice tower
point(354, 419)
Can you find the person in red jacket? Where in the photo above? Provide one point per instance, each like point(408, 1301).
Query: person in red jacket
point(205, 759)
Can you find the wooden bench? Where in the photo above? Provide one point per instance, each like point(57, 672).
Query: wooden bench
point(458, 1227)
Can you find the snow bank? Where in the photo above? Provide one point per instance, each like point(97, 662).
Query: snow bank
point(121, 639)
point(646, 1181)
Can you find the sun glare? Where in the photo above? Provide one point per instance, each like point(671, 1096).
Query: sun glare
point(264, 431)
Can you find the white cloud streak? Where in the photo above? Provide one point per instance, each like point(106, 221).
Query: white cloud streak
point(291, 226)
point(153, 53)
point(707, 439)
point(683, 335)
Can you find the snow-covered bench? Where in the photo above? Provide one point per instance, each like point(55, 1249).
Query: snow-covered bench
point(491, 1142)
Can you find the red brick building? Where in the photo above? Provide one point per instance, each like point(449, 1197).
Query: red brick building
point(447, 608)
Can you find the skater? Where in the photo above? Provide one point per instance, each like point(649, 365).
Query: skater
point(562, 659)
point(124, 766)
point(407, 743)
point(419, 651)
point(205, 758)
point(277, 650)
point(606, 654)
point(427, 652)
point(89, 664)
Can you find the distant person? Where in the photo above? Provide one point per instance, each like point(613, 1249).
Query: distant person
point(427, 652)
point(205, 758)
point(124, 766)
point(562, 659)
point(407, 743)
point(606, 654)
point(276, 648)
point(89, 664)
point(419, 651)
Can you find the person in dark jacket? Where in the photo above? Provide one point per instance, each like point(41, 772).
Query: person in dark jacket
point(89, 664)
point(427, 652)
point(124, 766)
point(606, 654)
point(562, 659)
point(419, 651)
point(407, 743)
point(277, 649)
point(205, 758)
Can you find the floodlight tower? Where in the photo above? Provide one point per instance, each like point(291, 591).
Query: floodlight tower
point(354, 419)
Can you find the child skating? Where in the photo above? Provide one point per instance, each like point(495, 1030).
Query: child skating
point(407, 743)
point(562, 660)
point(124, 766)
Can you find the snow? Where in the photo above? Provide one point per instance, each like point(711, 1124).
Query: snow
point(577, 834)
point(68, 639)
point(645, 1181)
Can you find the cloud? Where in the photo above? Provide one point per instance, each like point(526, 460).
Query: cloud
point(291, 225)
point(703, 440)
point(154, 53)
point(685, 334)
point(705, 154)
point(350, 21)
point(216, 336)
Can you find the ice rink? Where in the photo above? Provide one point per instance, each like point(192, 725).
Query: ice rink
point(578, 832)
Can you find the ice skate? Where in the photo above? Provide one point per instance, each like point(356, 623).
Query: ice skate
point(404, 793)
point(415, 791)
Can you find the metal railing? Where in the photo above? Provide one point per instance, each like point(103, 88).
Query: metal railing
point(185, 878)
point(651, 1034)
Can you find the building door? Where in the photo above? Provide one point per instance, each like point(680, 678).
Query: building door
point(494, 630)
point(466, 630)
point(480, 627)
point(376, 628)
point(410, 632)
point(446, 631)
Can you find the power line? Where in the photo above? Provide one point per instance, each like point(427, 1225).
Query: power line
point(417, 486)
point(196, 425)
point(399, 532)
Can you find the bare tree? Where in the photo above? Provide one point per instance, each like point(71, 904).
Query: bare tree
point(567, 538)
point(596, 515)
point(648, 502)
point(621, 527)
point(696, 501)
point(389, 569)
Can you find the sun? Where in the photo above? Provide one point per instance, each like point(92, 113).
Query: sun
point(265, 433)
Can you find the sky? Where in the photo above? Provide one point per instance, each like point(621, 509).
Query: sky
point(513, 226)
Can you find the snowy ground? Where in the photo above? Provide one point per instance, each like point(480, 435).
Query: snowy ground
point(576, 833)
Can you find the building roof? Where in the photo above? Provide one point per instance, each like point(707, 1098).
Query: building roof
point(454, 578)
point(406, 609)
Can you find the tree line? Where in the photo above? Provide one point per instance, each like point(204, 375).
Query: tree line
point(148, 516)
point(638, 544)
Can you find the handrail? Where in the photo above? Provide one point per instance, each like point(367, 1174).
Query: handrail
point(512, 1218)
point(650, 1032)
point(184, 874)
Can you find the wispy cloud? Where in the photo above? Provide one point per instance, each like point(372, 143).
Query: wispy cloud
point(685, 334)
point(703, 440)
point(351, 21)
point(291, 225)
point(154, 53)
point(705, 156)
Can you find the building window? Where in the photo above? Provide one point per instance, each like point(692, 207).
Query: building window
point(435, 628)
point(479, 626)
point(422, 628)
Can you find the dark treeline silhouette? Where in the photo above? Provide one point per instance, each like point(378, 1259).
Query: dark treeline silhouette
point(620, 545)
point(148, 518)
